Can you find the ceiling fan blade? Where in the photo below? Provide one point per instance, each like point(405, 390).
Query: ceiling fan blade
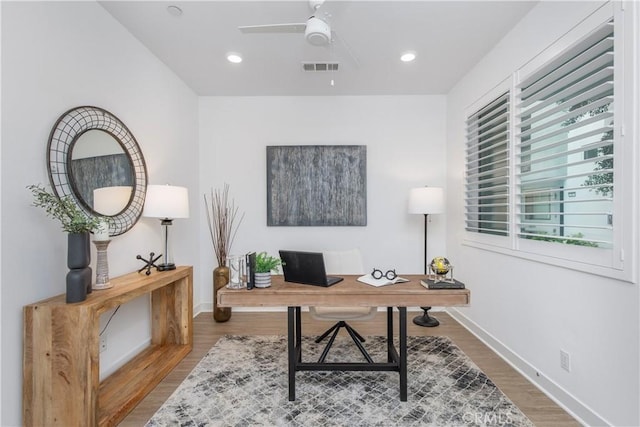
point(347, 48)
point(274, 28)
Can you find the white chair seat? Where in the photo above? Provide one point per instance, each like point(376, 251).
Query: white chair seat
point(343, 262)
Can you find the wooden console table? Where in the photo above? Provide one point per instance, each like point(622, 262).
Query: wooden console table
point(61, 371)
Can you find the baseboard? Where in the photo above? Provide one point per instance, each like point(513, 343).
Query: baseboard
point(577, 409)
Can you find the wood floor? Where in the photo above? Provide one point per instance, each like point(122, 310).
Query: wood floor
point(540, 409)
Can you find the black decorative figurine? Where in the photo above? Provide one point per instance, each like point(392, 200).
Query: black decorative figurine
point(149, 263)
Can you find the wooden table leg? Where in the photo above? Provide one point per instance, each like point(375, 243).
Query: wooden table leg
point(403, 353)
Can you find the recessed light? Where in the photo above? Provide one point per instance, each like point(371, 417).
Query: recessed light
point(174, 10)
point(408, 57)
point(234, 57)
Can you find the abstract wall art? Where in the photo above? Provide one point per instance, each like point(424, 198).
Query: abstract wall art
point(317, 185)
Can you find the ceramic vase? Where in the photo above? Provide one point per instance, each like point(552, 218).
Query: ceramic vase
point(78, 260)
point(263, 280)
point(220, 280)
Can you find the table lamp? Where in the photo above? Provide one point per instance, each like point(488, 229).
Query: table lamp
point(425, 201)
point(167, 203)
point(107, 201)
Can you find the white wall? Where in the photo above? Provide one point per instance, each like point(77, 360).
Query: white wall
point(405, 139)
point(529, 311)
point(56, 56)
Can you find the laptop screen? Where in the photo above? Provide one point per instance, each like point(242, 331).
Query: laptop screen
point(304, 267)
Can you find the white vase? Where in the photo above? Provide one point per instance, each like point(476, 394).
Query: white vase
point(263, 280)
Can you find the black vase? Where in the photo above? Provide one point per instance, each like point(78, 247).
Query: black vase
point(78, 260)
point(77, 280)
point(78, 250)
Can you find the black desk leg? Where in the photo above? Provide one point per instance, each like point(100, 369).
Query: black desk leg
point(403, 353)
point(291, 343)
point(389, 334)
point(298, 334)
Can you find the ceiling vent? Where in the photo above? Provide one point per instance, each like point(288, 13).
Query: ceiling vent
point(320, 66)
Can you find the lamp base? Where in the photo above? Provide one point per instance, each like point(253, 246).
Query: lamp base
point(425, 319)
point(166, 267)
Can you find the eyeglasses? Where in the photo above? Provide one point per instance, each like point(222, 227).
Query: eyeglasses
point(390, 274)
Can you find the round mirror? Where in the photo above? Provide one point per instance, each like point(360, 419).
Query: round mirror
point(93, 158)
point(101, 172)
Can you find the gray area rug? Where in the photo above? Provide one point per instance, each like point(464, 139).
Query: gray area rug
point(242, 381)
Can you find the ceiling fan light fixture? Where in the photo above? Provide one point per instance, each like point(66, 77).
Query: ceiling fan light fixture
point(318, 32)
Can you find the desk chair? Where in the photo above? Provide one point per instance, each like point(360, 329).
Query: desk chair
point(343, 262)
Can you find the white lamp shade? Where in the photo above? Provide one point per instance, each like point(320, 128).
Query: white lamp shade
point(426, 200)
point(111, 201)
point(166, 201)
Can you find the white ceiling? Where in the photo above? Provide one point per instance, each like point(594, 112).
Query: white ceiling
point(449, 37)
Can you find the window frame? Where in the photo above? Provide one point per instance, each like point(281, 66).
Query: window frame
point(616, 262)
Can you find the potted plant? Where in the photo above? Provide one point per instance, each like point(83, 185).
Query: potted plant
point(222, 214)
point(265, 264)
point(78, 225)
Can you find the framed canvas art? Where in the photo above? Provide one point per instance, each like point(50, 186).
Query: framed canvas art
point(317, 185)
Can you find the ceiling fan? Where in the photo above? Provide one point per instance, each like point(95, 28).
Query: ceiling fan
point(316, 29)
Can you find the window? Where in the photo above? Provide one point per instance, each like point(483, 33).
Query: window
point(487, 174)
point(549, 169)
point(563, 107)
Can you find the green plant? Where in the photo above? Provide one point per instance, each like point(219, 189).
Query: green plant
point(573, 239)
point(266, 263)
point(65, 210)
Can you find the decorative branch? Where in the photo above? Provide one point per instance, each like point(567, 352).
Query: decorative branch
point(64, 209)
point(221, 217)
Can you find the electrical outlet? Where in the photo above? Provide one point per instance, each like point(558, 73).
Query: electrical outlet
point(103, 342)
point(565, 360)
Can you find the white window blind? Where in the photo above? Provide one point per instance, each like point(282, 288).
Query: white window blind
point(487, 169)
point(565, 147)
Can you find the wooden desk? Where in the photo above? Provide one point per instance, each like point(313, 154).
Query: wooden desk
point(61, 357)
point(347, 293)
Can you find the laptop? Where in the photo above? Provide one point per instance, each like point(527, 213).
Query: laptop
point(306, 268)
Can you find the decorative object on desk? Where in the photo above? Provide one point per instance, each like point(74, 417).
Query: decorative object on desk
point(425, 201)
point(378, 274)
point(441, 284)
point(327, 184)
point(78, 225)
point(265, 264)
point(222, 215)
point(250, 272)
point(237, 266)
point(151, 262)
point(453, 391)
point(166, 202)
point(440, 270)
point(369, 279)
point(440, 265)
